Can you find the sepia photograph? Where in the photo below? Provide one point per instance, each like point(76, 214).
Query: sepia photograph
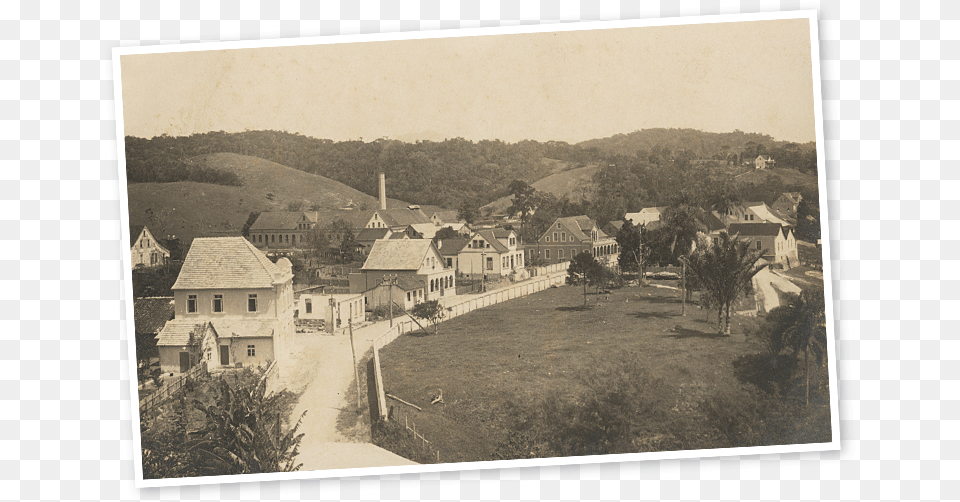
point(464, 249)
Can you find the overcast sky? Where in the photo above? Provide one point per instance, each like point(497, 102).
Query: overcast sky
point(570, 86)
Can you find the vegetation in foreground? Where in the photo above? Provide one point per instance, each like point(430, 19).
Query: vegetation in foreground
point(220, 426)
point(545, 376)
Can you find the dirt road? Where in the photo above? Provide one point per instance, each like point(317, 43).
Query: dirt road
point(323, 368)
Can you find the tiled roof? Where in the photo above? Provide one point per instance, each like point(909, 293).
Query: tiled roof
point(754, 229)
point(582, 226)
point(452, 247)
point(150, 314)
point(177, 331)
point(277, 220)
point(371, 234)
point(226, 263)
point(427, 230)
point(767, 214)
point(391, 254)
point(713, 223)
point(618, 224)
point(448, 216)
point(355, 219)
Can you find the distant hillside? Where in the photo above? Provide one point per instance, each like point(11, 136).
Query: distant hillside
point(566, 180)
point(189, 209)
point(786, 176)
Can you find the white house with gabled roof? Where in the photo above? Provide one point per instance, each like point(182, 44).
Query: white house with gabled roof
point(229, 290)
point(145, 251)
point(491, 252)
point(416, 258)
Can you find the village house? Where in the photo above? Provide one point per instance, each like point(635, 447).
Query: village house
point(280, 230)
point(570, 236)
point(230, 298)
point(778, 243)
point(762, 162)
point(367, 236)
point(443, 218)
point(491, 252)
point(397, 219)
point(145, 251)
point(416, 258)
point(406, 291)
point(336, 310)
point(645, 216)
point(751, 212)
point(787, 203)
point(450, 250)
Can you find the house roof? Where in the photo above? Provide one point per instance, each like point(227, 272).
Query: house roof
point(754, 229)
point(452, 247)
point(150, 314)
point(793, 197)
point(581, 227)
point(427, 230)
point(446, 216)
point(277, 220)
point(227, 263)
point(355, 219)
point(501, 233)
point(408, 283)
point(713, 223)
point(618, 224)
point(397, 254)
point(491, 237)
point(371, 234)
point(767, 214)
point(177, 331)
point(402, 216)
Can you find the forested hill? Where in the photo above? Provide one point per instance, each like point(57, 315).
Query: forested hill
point(446, 173)
point(441, 173)
point(652, 144)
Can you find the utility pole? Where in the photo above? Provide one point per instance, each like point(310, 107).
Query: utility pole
point(483, 270)
point(391, 280)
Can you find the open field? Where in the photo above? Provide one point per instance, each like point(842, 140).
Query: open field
point(189, 209)
point(566, 180)
point(494, 363)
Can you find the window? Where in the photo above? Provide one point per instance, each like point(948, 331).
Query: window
point(251, 303)
point(251, 350)
point(489, 263)
point(555, 237)
point(408, 296)
point(218, 303)
point(546, 253)
point(273, 238)
point(563, 237)
point(560, 254)
point(192, 304)
point(548, 238)
point(449, 262)
point(759, 245)
point(308, 306)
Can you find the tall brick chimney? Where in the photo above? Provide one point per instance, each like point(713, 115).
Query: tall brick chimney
point(383, 191)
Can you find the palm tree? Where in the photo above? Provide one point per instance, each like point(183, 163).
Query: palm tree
point(682, 222)
point(725, 269)
point(805, 328)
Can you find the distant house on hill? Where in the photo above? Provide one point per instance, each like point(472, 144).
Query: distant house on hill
point(416, 258)
point(646, 215)
point(778, 243)
point(233, 303)
point(762, 162)
point(491, 252)
point(570, 236)
point(145, 250)
point(787, 203)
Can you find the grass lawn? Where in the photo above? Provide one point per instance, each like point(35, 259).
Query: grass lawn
point(514, 353)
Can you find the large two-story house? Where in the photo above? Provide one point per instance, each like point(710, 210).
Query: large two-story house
point(570, 236)
point(415, 258)
point(233, 303)
point(778, 243)
point(491, 252)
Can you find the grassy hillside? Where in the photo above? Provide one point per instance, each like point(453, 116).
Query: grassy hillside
point(567, 179)
point(188, 209)
point(787, 176)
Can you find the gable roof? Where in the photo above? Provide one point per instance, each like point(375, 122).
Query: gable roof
point(581, 227)
point(452, 247)
point(277, 220)
point(765, 213)
point(177, 331)
point(135, 231)
point(402, 216)
point(397, 254)
point(754, 229)
point(371, 234)
point(353, 218)
point(150, 314)
point(227, 263)
point(446, 216)
point(491, 237)
point(618, 224)
point(712, 222)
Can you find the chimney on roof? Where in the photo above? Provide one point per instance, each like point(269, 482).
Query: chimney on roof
point(383, 191)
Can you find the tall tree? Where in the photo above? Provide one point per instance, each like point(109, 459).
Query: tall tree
point(469, 211)
point(805, 328)
point(584, 269)
point(724, 270)
point(524, 202)
point(630, 241)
